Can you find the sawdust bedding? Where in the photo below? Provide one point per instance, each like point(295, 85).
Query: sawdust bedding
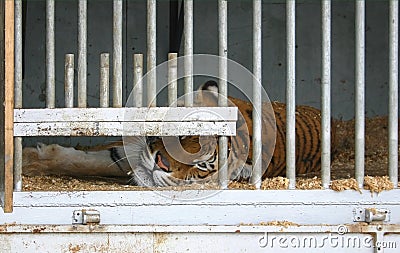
point(342, 170)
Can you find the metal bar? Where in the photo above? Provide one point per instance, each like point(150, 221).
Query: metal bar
point(223, 89)
point(359, 91)
point(69, 80)
point(393, 90)
point(117, 53)
point(172, 79)
point(104, 80)
point(188, 52)
point(82, 53)
point(18, 93)
point(326, 94)
point(290, 93)
point(137, 79)
point(129, 114)
point(50, 55)
point(151, 52)
point(257, 100)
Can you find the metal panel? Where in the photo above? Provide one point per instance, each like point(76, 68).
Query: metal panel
point(291, 93)
point(326, 95)
point(124, 128)
point(359, 91)
point(199, 114)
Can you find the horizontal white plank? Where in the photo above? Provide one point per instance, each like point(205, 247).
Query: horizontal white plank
point(161, 114)
point(124, 128)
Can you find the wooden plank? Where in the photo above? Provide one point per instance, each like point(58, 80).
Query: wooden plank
point(124, 128)
point(161, 114)
point(2, 105)
point(9, 106)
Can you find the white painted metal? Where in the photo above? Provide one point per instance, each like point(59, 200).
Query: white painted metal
point(257, 100)
point(172, 79)
point(104, 80)
point(223, 89)
point(137, 79)
point(117, 53)
point(69, 80)
point(126, 128)
point(18, 93)
point(360, 91)
point(151, 53)
point(50, 55)
point(326, 94)
point(393, 90)
point(229, 208)
point(291, 92)
point(82, 53)
point(199, 114)
point(188, 51)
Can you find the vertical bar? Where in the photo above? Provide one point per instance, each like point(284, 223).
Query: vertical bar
point(18, 93)
point(359, 91)
point(188, 51)
point(223, 89)
point(82, 54)
point(7, 198)
point(326, 94)
point(151, 52)
point(50, 55)
point(393, 90)
point(137, 79)
point(104, 80)
point(69, 80)
point(257, 61)
point(172, 79)
point(291, 93)
point(117, 53)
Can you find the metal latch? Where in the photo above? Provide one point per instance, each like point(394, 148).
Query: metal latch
point(370, 214)
point(86, 217)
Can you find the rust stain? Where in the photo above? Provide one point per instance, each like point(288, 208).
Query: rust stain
point(74, 248)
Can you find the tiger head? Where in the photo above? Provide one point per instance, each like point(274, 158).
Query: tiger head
point(171, 161)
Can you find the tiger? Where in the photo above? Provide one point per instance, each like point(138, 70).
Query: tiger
point(146, 161)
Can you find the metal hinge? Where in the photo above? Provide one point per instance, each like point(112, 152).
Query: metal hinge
point(370, 214)
point(86, 217)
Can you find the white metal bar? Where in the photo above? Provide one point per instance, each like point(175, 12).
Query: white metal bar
point(198, 114)
point(151, 53)
point(104, 80)
point(117, 53)
point(359, 91)
point(82, 53)
point(137, 79)
point(291, 93)
point(124, 128)
point(69, 80)
point(223, 89)
point(18, 92)
point(393, 90)
point(188, 51)
point(257, 100)
point(172, 79)
point(326, 94)
point(50, 55)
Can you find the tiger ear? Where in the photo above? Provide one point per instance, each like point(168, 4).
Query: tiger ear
point(207, 94)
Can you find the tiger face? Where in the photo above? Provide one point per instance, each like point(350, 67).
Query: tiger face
point(153, 164)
